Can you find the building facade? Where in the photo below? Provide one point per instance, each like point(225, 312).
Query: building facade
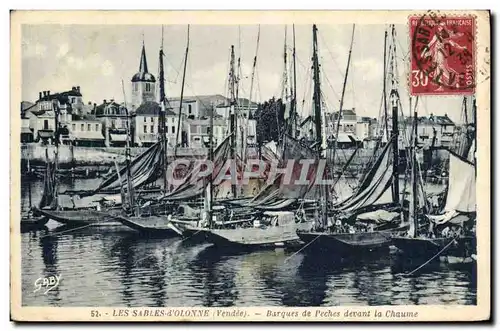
point(147, 119)
point(114, 118)
point(87, 131)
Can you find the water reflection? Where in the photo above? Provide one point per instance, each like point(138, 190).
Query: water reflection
point(111, 267)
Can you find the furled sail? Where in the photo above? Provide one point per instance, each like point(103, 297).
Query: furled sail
point(144, 169)
point(375, 187)
point(286, 189)
point(49, 198)
point(461, 186)
point(194, 183)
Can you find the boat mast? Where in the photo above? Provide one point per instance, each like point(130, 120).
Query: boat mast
point(161, 122)
point(414, 173)
point(130, 187)
point(57, 113)
point(317, 116)
point(294, 101)
point(233, 126)
point(343, 94)
point(211, 157)
point(384, 89)
point(182, 95)
point(251, 86)
point(395, 124)
point(284, 90)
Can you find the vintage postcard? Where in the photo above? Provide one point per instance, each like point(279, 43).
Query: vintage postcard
point(250, 166)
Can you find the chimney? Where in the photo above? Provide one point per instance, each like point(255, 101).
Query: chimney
point(78, 89)
point(44, 93)
point(48, 93)
point(39, 95)
point(73, 88)
point(90, 103)
point(104, 101)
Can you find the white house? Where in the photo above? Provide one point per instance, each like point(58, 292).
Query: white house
point(86, 131)
point(147, 119)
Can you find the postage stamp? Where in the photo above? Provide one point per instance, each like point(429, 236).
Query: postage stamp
point(216, 166)
point(442, 54)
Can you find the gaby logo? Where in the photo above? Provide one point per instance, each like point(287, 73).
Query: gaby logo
point(48, 283)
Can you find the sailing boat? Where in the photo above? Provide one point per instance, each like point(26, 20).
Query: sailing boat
point(370, 201)
point(243, 222)
point(450, 235)
point(34, 219)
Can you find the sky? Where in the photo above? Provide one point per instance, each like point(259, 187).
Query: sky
point(99, 57)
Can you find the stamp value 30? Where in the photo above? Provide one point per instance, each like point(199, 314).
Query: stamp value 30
point(442, 55)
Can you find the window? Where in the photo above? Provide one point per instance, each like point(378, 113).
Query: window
point(82, 127)
point(173, 129)
point(152, 119)
point(208, 130)
point(89, 127)
point(145, 129)
point(148, 87)
point(166, 129)
point(189, 109)
point(73, 126)
point(136, 87)
point(152, 129)
point(97, 127)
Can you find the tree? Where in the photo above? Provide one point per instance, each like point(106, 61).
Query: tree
point(270, 120)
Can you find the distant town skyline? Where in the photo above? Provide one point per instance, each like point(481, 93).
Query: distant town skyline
point(98, 57)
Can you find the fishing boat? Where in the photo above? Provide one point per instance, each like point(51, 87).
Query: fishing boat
point(451, 235)
point(358, 223)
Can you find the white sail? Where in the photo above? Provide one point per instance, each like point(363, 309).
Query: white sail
point(461, 187)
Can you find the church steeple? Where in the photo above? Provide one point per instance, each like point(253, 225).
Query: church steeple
point(143, 75)
point(143, 83)
point(143, 67)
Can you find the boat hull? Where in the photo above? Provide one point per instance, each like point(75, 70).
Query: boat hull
point(425, 248)
point(346, 243)
point(80, 217)
point(253, 237)
point(151, 225)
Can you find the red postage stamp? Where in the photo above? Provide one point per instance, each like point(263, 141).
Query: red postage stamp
point(442, 55)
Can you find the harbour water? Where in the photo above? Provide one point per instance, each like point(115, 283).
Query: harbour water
point(115, 267)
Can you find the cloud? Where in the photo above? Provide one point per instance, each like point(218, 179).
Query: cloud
point(35, 50)
point(63, 50)
point(107, 68)
point(369, 68)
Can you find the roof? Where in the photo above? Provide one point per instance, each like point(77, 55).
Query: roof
point(84, 117)
point(99, 110)
point(87, 135)
point(432, 119)
point(345, 112)
point(26, 130)
point(206, 100)
point(143, 75)
point(151, 108)
point(62, 96)
point(25, 105)
point(243, 102)
point(305, 121)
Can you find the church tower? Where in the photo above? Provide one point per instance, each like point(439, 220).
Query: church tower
point(143, 83)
